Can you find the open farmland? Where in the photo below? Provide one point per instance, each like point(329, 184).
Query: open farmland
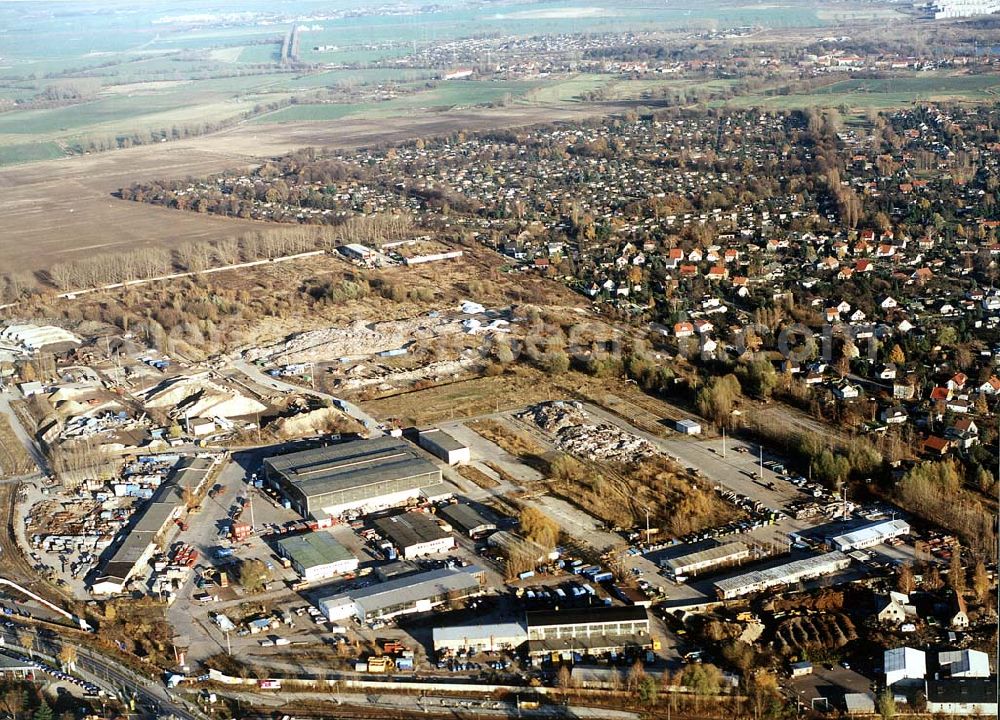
point(445, 96)
point(81, 216)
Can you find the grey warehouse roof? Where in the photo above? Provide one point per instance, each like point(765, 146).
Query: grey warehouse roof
point(465, 517)
point(411, 528)
point(351, 465)
point(408, 589)
point(153, 516)
point(719, 552)
point(442, 439)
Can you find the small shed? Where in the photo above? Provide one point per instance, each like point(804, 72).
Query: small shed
point(200, 427)
point(688, 427)
point(800, 669)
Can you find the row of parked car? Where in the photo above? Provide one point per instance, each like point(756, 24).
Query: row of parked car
point(58, 674)
point(759, 515)
point(568, 593)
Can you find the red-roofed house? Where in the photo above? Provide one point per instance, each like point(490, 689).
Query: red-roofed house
point(683, 329)
point(941, 394)
point(717, 272)
point(935, 445)
point(991, 386)
point(957, 381)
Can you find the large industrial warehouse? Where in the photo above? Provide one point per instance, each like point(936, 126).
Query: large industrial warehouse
point(707, 558)
point(358, 476)
point(592, 631)
point(408, 594)
point(787, 574)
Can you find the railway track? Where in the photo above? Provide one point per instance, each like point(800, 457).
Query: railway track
point(12, 560)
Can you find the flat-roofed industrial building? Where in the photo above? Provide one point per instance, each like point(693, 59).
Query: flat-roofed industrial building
point(442, 445)
point(317, 555)
point(414, 534)
point(358, 476)
point(870, 535)
point(420, 592)
point(706, 558)
point(589, 631)
point(490, 637)
point(786, 574)
point(148, 525)
point(467, 519)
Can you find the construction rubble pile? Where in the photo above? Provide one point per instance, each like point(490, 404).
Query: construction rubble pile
point(577, 434)
point(359, 340)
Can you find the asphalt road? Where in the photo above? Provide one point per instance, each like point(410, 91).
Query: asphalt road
point(34, 450)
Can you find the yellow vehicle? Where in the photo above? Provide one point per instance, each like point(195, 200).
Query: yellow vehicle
point(383, 664)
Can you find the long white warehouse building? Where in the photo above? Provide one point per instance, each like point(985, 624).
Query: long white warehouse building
point(787, 574)
point(869, 535)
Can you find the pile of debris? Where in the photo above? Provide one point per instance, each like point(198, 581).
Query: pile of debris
point(359, 340)
point(576, 434)
point(554, 417)
point(828, 631)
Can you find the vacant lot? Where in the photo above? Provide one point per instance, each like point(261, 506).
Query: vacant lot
point(14, 459)
point(61, 209)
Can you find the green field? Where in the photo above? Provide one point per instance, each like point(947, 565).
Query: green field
point(639, 89)
point(567, 90)
point(443, 96)
point(260, 53)
point(29, 152)
point(361, 76)
point(884, 93)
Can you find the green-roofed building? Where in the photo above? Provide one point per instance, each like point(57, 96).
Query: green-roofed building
point(317, 555)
